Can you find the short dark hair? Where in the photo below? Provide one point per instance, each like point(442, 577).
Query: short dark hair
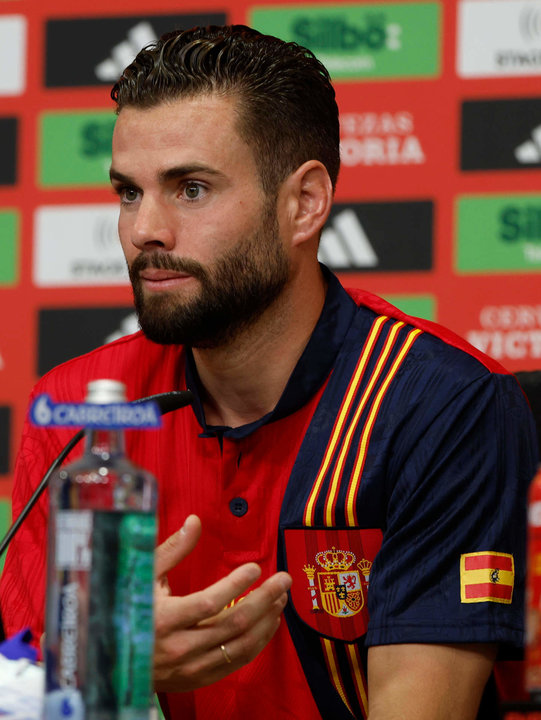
point(287, 105)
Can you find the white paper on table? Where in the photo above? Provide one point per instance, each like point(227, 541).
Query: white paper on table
point(21, 689)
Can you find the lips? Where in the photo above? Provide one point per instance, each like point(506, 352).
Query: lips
point(156, 275)
point(158, 280)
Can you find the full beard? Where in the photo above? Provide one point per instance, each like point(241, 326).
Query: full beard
point(234, 292)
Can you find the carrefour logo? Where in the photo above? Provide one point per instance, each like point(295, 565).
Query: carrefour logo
point(362, 41)
point(499, 233)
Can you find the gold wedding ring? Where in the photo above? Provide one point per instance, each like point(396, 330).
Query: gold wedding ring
point(225, 654)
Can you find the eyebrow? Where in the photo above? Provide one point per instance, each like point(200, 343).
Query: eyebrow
point(165, 176)
point(119, 177)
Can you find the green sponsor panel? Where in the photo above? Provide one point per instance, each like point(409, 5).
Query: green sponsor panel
point(75, 148)
point(499, 233)
point(9, 246)
point(373, 40)
point(421, 306)
point(5, 521)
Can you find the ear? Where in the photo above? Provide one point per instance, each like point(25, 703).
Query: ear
point(308, 195)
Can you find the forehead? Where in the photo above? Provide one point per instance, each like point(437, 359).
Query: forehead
point(201, 127)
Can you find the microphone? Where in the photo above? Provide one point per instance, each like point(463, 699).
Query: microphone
point(166, 402)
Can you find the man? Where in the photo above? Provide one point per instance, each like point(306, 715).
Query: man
point(379, 459)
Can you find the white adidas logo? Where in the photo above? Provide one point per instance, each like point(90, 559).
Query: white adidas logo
point(529, 152)
point(122, 54)
point(128, 326)
point(345, 244)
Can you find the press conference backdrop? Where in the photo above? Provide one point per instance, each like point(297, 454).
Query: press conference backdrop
point(438, 206)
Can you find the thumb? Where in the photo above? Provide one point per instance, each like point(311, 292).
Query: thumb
point(177, 546)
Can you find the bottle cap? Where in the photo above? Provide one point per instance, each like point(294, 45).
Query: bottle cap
point(105, 392)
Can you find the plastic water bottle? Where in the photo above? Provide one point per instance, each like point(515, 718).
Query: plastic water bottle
point(100, 579)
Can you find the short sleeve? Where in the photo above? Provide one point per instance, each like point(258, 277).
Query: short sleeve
point(451, 566)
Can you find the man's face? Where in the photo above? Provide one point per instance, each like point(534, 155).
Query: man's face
point(201, 239)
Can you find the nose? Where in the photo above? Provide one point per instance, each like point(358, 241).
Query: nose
point(152, 228)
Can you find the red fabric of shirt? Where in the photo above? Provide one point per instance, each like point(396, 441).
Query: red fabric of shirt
point(196, 475)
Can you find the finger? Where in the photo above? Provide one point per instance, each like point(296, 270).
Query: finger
point(213, 664)
point(188, 658)
point(264, 603)
point(244, 648)
point(254, 630)
point(177, 546)
point(176, 613)
point(202, 659)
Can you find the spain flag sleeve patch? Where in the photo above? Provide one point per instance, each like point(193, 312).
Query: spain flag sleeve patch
point(486, 577)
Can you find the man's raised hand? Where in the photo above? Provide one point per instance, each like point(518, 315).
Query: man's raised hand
point(200, 640)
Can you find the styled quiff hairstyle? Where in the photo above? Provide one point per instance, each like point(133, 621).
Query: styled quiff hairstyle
point(287, 109)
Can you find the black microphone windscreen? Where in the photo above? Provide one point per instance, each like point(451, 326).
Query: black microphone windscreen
point(169, 401)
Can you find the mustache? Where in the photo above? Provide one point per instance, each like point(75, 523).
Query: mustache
point(165, 261)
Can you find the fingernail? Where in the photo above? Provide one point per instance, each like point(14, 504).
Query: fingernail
point(285, 582)
point(255, 572)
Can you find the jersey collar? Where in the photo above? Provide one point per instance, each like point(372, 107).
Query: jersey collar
point(309, 374)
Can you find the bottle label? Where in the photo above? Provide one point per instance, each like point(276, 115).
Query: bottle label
point(121, 629)
point(69, 634)
point(73, 559)
point(45, 413)
point(103, 607)
point(73, 547)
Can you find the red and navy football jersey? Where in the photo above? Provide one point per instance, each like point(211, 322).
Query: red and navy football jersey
point(390, 481)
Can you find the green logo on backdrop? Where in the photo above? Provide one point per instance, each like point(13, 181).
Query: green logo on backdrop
point(421, 306)
point(391, 40)
point(9, 242)
point(499, 233)
point(76, 148)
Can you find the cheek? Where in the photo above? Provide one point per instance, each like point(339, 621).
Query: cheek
point(124, 235)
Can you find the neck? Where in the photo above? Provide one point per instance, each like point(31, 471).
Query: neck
point(243, 380)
